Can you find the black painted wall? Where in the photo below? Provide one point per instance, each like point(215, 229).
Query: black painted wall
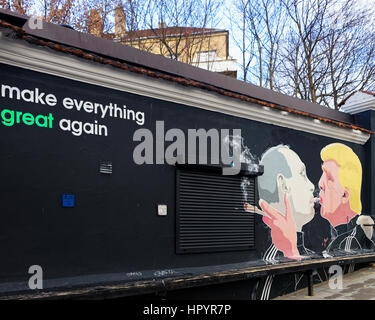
point(114, 226)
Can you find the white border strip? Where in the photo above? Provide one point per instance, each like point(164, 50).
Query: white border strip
point(360, 106)
point(21, 54)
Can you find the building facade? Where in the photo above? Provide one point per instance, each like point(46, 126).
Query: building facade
point(127, 173)
point(201, 47)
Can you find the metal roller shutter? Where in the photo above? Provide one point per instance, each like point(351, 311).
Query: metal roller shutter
point(210, 215)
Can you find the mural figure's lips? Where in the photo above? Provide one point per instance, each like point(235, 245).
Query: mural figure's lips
point(321, 199)
point(312, 202)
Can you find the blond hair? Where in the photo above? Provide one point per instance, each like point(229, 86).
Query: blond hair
point(350, 172)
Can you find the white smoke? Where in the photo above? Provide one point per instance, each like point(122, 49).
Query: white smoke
point(244, 184)
point(237, 146)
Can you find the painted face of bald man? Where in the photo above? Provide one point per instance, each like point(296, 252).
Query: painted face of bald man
point(299, 187)
point(284, 172)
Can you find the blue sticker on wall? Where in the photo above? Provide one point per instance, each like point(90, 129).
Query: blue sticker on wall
point(68, 200)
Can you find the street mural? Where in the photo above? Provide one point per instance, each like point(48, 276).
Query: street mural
point(287, 204)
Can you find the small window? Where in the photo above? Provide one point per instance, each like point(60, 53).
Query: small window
point(210, 213)
point(206, 56)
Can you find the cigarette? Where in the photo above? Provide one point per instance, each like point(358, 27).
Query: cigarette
point(252, 209)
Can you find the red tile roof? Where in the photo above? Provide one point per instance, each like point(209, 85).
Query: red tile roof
point(168, 32)
point(368, 92)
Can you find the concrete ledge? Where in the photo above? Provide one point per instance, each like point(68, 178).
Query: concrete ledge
point(133, 288)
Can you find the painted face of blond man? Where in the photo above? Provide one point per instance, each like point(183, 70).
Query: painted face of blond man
point(340, 184)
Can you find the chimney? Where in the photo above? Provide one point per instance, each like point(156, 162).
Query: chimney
point(162, 25)
point(120, 22)
point(95, 24)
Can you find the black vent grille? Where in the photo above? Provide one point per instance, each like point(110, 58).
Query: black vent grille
point(210, 214)
point(105, 167)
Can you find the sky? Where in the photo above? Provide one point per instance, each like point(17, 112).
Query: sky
point(225, 14)
point(224, 23)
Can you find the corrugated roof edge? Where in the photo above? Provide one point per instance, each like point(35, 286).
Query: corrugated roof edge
point(353, 93)
point(102, 47)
